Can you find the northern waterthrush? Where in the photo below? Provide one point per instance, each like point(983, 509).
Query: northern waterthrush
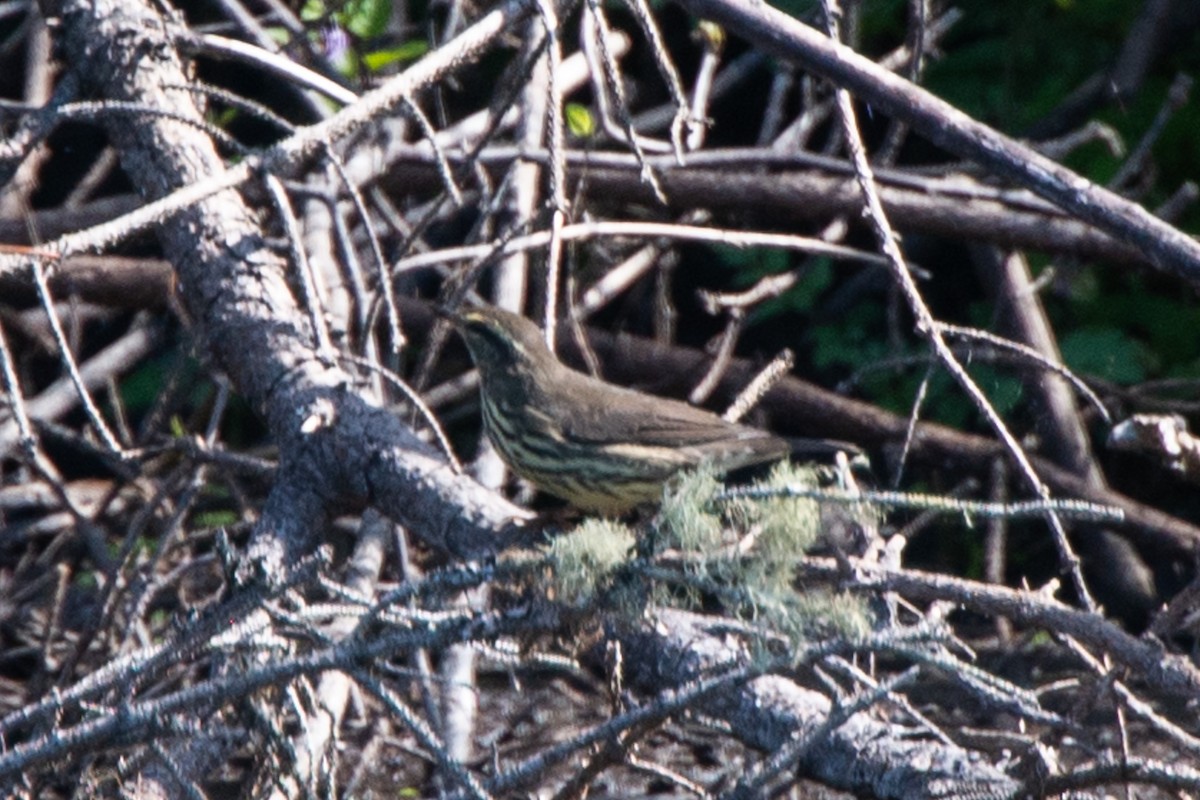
point(602, 448)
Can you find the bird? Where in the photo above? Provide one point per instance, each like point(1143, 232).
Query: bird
point(605, 449)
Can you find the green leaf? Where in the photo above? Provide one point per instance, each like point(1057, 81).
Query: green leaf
point(215, 519)
point(140, 389)
point(313, 11)
point(580, 121)
point(365, 18)
point(403, 53)
point(278, 34)
point(1003, 390)
point(851, 341)
point(1106, 352)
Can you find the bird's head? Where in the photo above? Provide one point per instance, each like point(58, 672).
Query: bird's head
point(503, 343)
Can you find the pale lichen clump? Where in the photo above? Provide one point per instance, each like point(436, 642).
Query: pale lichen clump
point(584, 560)
point(685, 521)
point(740, 551)
point(746, 550)
point(782, 527)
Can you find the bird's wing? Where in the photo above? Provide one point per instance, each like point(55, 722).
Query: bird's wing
point(630, 416)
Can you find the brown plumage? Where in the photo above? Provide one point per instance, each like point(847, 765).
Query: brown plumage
point(603, 448)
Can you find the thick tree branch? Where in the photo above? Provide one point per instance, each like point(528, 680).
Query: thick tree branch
point(339, 448)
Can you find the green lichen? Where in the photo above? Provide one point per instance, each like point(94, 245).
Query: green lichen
point(584, 560)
